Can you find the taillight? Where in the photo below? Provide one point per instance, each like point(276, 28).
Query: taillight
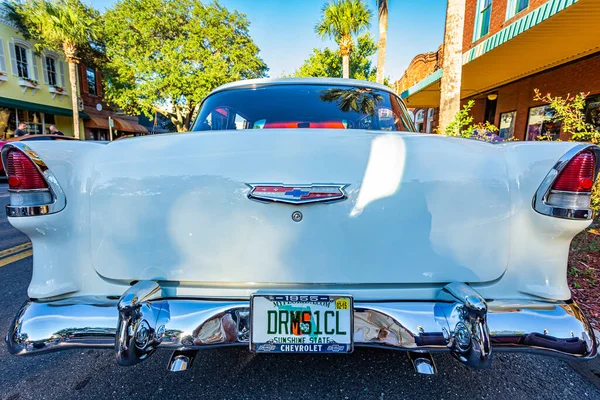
point(22, 172)
point(566, 191)
point(578, 175)
point(29, 191)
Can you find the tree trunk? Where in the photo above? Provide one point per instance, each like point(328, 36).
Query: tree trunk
point(346, 66)
point(74, 97)
point(382, 43)
point(346, 44)
point(452, 62)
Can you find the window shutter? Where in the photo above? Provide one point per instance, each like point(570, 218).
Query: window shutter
point(98, 83)
point(35, 71)
point(84, 82)
point(61, 67)
point(13, 59)
point(2, 57)
point(44, 69)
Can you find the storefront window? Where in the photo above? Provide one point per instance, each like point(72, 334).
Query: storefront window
point(419, 119)
point(540, 125)
point(4, 122)
point(592, 111)
point(507, 125)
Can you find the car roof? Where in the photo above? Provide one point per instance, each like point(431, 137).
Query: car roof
point(253, 83)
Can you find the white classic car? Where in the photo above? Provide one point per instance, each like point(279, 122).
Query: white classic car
point(301, 216)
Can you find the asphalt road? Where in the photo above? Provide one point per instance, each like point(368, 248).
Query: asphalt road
point(234, 373)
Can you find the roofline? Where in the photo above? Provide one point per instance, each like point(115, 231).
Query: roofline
point(514, 29)
point(253, 83)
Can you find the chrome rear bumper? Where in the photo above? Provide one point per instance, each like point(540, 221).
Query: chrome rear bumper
point(460, 322)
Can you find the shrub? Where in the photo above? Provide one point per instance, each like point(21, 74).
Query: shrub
point(569, 112)
point(462, 126)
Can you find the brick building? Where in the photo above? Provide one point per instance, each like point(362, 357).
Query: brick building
point(510, 48)
point(92, 102)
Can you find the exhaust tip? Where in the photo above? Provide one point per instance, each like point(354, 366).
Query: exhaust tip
point(423, 363)
point(179, 363)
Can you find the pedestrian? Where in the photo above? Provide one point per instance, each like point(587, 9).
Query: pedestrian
point(54, 131)
point(21, 129)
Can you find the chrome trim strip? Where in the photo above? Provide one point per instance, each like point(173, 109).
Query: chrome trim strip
point(540, 200)
point(59, 201)
point(147, 322)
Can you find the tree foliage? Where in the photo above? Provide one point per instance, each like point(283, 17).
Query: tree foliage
point(167, 55)
point(342, 21)
point(66, 26)
point(327, 63)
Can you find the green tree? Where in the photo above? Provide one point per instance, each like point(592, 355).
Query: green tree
point(165, 56)
point(66, 26)
point(327, 63)
point(342, 20)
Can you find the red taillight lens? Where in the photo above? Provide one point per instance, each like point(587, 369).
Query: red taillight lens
point(578, 175)
point(22, 173)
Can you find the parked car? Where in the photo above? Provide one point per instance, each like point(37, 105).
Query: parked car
point(27, 138)
point(301, 215)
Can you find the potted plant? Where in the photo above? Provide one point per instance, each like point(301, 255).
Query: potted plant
point(31, 81)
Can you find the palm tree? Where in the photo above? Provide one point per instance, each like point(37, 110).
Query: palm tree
point(342, 20)
point(452, 62)
point(382, 6)
point(363, 101)
point(67, 26)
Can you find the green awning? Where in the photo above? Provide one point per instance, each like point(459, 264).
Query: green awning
point(25, 105)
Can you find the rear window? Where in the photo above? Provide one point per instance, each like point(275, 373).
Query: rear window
point(303, 106)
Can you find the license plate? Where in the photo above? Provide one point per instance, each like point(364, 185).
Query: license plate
point(301, 324)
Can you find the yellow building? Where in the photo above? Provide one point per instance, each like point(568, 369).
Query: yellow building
point(34, 87)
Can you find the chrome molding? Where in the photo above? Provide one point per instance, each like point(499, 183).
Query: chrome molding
point(59, 201)
point(540, 200)
point(460, 322)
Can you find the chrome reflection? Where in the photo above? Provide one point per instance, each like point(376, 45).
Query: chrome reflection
point(422, 362)
point(459, 322)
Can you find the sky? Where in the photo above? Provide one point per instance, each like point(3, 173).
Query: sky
point(284, 30)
